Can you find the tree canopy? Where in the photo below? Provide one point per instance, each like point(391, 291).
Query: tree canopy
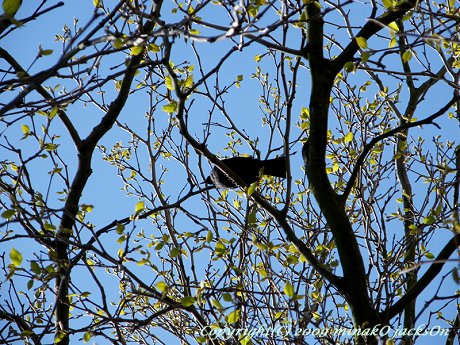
point(113, 113)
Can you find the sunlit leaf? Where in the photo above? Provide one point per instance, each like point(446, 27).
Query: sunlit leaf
point(10, 7)
point(289, 290)
point(162, 286)
point(362, 42)
point(407, 55)
point(233, 317)
point(170, 108)
point(136, 50)
point(15, 257)
point(187, 301)
point(348, 138)
point(139, 207)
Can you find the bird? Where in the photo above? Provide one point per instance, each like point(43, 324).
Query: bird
point(248, 169)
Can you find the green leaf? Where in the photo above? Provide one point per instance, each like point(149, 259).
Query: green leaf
point(15, 257)
point(121, 239)
point(252, 188)
point(168, 83)
point(117, 43)
point(174, 252)
point(34, 267)
point(428, 220)
point(227, 297)
point(407, 55)
point(87, 335)
point(362, 42)
point(162, 286)
point(348, 138)
point(388, 3)
point(8, 214)
point(220, 248)
point(429, 255)
point(252, 219)
point(154, 48)
point(289, 290)
point(25, 129)
point(139, 207)
point(120, 228)
point(216, 304)
point(187, 301)
point(393, 26)
point(233, 317)
point(209, 236)
point(349, 66)
point(10, 7)
point(170, 108)
point(47, 52)
point(136, 50)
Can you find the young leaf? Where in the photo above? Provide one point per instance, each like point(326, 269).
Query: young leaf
point(139, 207)
point(187, 301)
point(289, 290)
point(136, 50)
point(170, 108)
point(407, 55)
point(348, 138)
point(10, 7)
point(15, 257)
point(233, 317)
point(362, 42)
point(8, 214)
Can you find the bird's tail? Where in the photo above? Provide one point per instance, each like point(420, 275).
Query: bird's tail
point(275, 167)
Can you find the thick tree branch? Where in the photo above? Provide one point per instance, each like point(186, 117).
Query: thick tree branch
point(370, 29)
point(45, 94)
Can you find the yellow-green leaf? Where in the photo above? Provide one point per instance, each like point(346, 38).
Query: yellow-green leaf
point(8, 214)
point(407, 55)
point(10, 7)
point(393, 26)
point(154, 48)
point(187, 301)
point(362, 42)
point(87, 335)
point(189, 81)
point(168, 83)
point(136, 50)
point(289, 290)
point(388, 3)
point(162, 286)
point(170, 108)
point(139, 207)
point(348, 138)
point(233, 317)
point(15, 257)
point(252, 188)
point(117, 43)
point(429, 255)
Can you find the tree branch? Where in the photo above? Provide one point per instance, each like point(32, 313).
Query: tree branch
point(425, 280)
point(429, 120)
point(369, 29)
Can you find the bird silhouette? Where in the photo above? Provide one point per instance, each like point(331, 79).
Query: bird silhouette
point(248, 169)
